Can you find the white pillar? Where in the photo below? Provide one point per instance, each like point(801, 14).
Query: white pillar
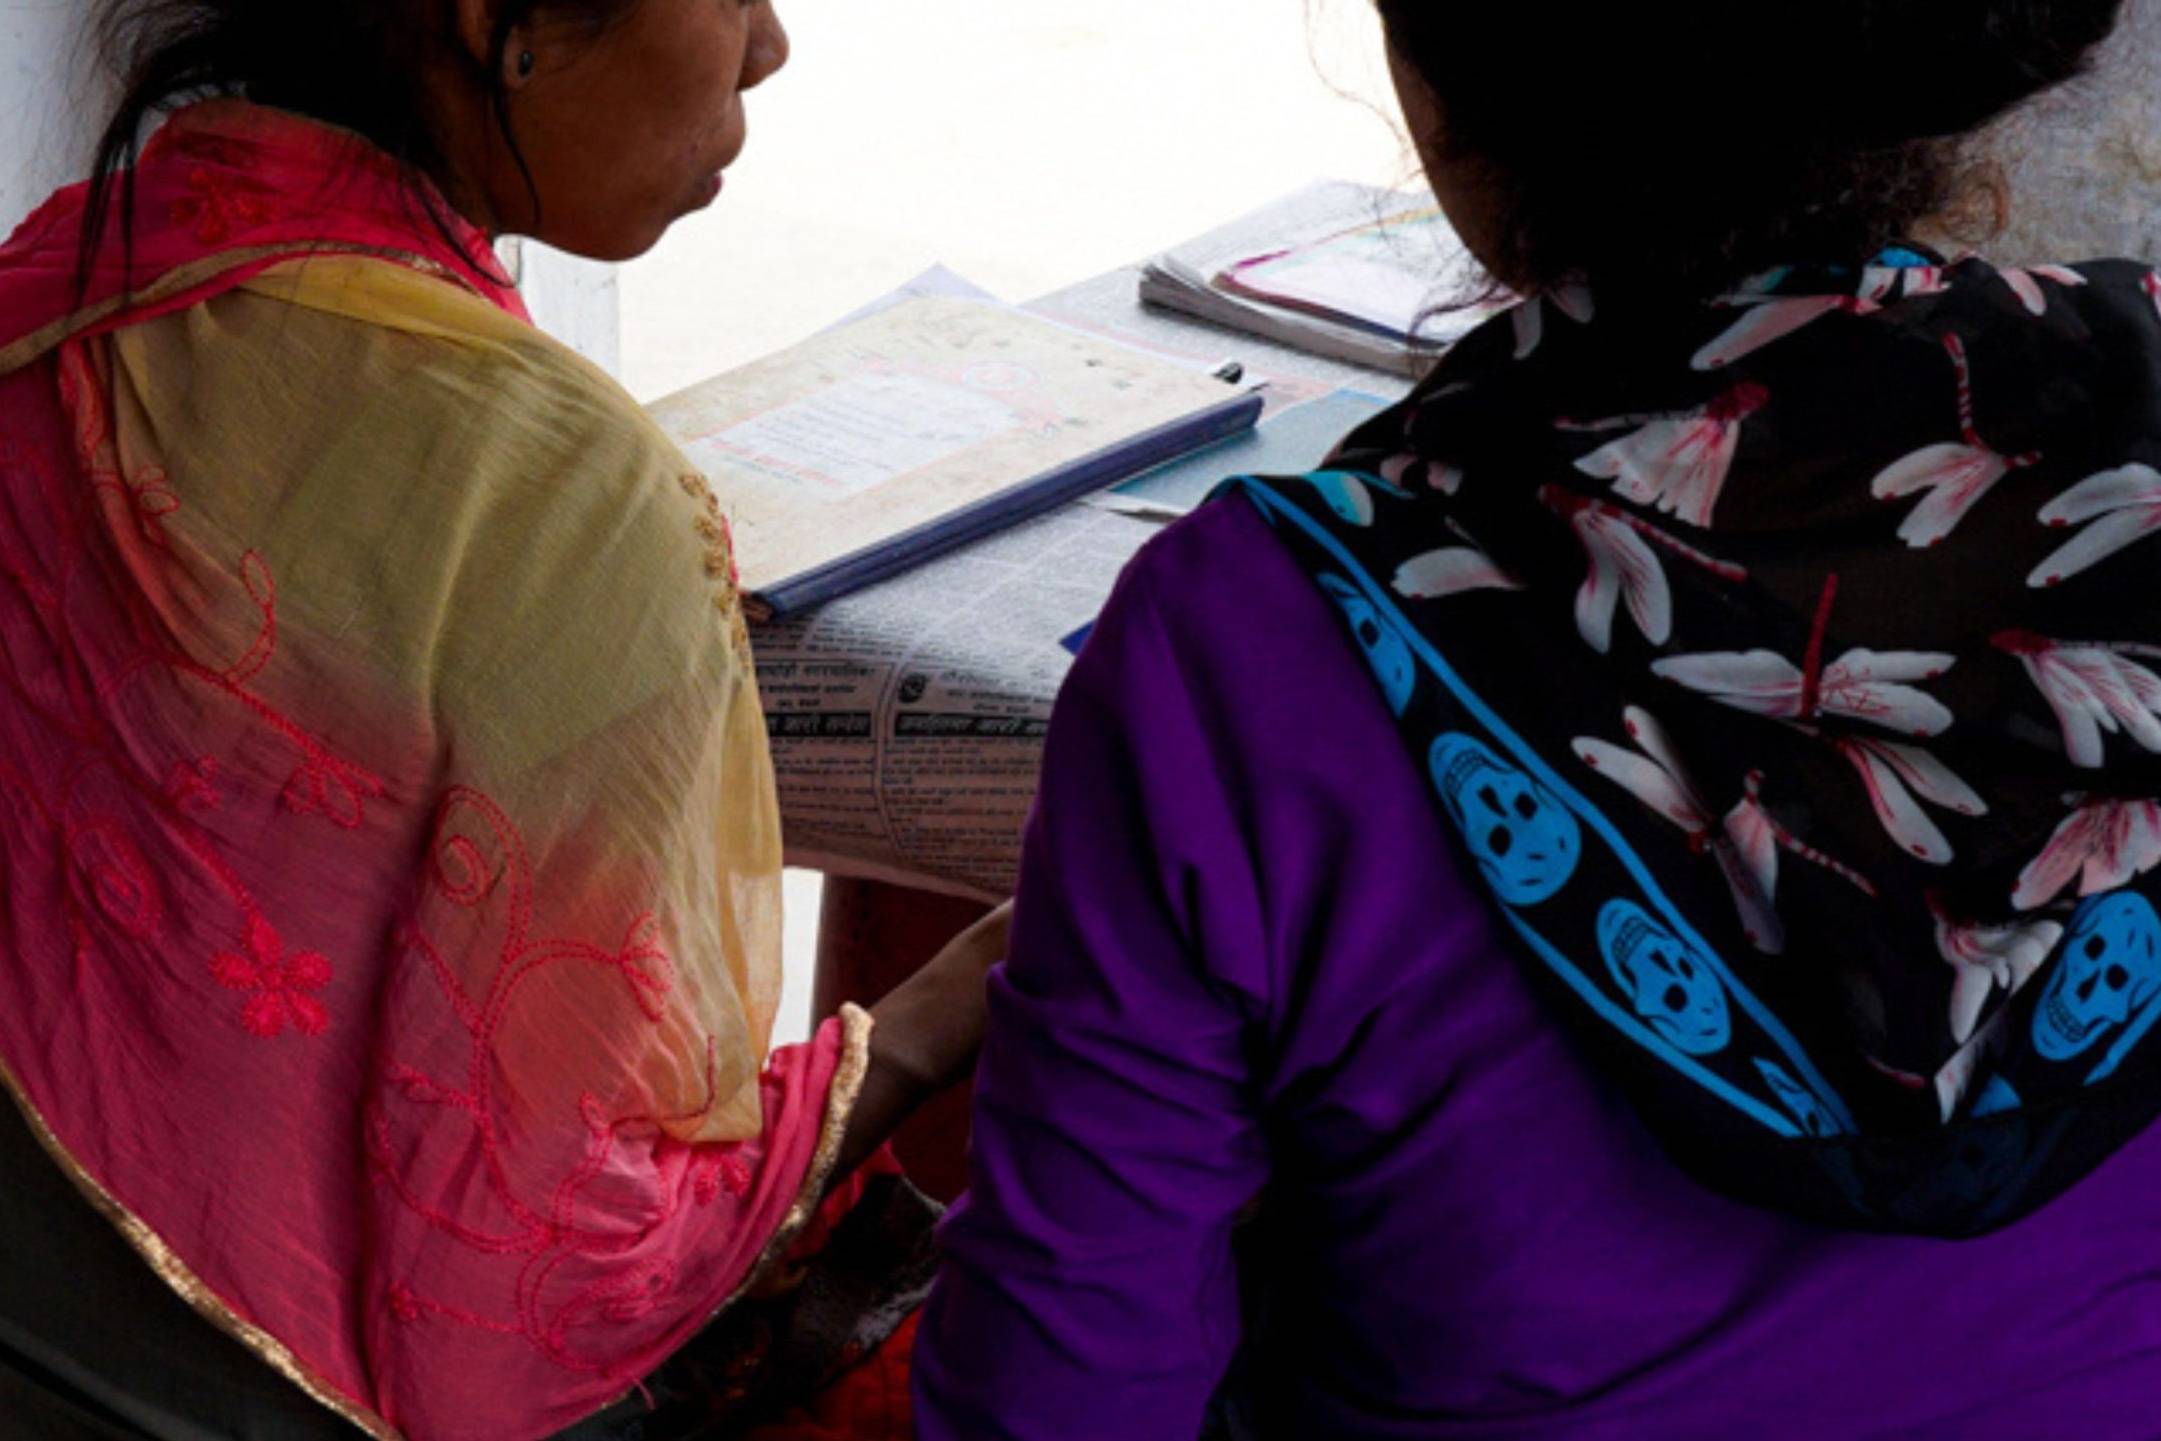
point(53, 103)
point(577, 301)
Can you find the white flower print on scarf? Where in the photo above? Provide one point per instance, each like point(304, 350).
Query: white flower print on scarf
point(2093, 688)
point(1892, 774)
point(1662, 785)
point(1860, 685)
point(1988, 957)
point(1769, 320)
point(1760, 838)
point(2102, 844)
point(1955, 476)
point(1408, 471)
point(1451, 570)
point(1768, 317)
point(1529, 318)
point(1678, 463)
point(2026, 283)
point(1623, 566)
point(1955, 1079)
point(1348, 495)
point(2124, 505)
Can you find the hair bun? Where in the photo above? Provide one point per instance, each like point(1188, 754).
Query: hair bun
point(1930, 68)
point(1735, 136)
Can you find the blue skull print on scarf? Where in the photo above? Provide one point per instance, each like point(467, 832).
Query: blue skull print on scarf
point(1384, 649)
point(1524, 840)
point(2109, 978)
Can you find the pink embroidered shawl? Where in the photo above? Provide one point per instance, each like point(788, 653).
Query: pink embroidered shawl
point(388, 849)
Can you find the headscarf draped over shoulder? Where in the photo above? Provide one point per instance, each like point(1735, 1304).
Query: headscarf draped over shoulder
point(389, 859)
point(1787, 665)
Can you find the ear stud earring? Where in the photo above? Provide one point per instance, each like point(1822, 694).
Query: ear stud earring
point(525, 63)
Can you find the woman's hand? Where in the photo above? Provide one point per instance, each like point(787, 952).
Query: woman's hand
point(928, 1030)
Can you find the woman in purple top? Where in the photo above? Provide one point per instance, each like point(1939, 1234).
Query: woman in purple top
point(1624, 908)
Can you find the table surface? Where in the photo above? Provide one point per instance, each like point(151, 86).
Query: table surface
point(908, 719)
point(887, 825)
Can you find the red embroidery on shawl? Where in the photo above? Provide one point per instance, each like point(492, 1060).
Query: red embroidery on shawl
point(74, 679)
point(705, 1180)
point(281, 983)
point(479, 860)
point(715, 1171)
point(646, 966)
point(408, 1305)
point(148, 499)
point(263, 590)
point(113, 873)
point(403, 1303)
point(76, 651)
point(193, 784)
point(218, 208)
point(326, 786)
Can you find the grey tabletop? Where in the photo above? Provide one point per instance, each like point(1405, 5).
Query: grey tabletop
point(907, 720)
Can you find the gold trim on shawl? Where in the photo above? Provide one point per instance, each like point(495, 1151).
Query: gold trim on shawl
point(713, 531)
point(20, 352)
point(840, 1099)
point(185, 1283)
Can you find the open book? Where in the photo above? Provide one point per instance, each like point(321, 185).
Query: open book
point(877, 445)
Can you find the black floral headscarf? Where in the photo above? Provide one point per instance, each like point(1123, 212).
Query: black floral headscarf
point(1790, 667)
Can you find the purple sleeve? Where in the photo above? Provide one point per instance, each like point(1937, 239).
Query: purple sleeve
point(1088, 1288)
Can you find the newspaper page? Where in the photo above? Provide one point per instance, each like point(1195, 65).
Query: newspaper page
point(907, 720)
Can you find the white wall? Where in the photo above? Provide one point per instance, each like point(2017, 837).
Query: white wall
point(1056, 142)
point(2084, 165)
point(53, 101)
point(49, 103)
point(576, 301)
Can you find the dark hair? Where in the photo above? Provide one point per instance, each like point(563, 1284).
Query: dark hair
point(1679, 145)
point(359, 64)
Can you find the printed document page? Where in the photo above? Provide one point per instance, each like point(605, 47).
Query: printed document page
point(906, 417)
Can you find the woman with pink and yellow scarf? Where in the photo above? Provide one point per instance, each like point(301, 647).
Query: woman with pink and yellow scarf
point(388, 842)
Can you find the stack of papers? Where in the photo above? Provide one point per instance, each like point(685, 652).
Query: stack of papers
point(1344, 271)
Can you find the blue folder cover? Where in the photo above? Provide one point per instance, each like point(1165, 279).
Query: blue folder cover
point(1053, 488)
